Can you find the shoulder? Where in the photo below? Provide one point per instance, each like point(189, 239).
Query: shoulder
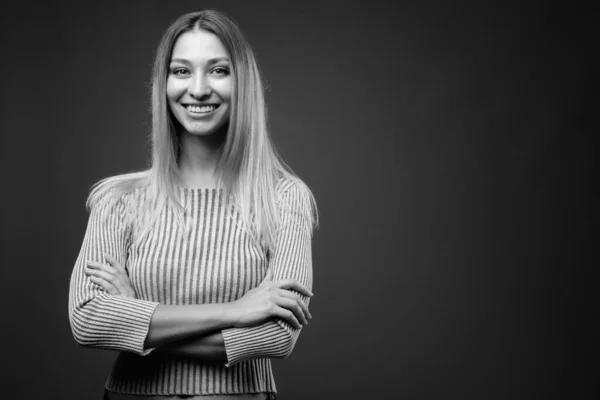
point(283, 185)
point(291, 186)
point(290, 189)
point(120, 193)
point(293, 195)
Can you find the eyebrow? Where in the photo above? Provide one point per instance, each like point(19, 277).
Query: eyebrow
point(209, 62)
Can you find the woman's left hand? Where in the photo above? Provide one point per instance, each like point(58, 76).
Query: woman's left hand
point(112, 277)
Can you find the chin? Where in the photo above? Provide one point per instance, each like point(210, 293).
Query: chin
point(202, 128)
point(206, 131)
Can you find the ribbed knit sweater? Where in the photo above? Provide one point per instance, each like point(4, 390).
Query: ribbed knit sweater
point(214, 260)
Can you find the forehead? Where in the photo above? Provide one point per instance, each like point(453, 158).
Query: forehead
point(198, 46)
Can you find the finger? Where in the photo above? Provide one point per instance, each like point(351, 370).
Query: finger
point(288, 316)
point(109, 269)
point(268, 277)
point(294, 307)
point(114, 262)
point(119, 276)
point(107, 276)
point(292, 284)
point(105, 285)
point(110, 258)
point(100, 266)
point(116, 277)
point(293, 296)
point(116, 282)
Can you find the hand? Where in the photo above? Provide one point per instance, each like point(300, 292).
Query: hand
point(272, 300)
point(112, 277)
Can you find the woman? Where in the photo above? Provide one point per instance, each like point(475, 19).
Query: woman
point(199, 269)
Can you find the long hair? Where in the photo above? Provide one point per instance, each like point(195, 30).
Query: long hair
point(248, 166)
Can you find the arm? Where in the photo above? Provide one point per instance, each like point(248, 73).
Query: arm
point(99, 319)
point(207, 348)
point(292, 258)
point(103, 320)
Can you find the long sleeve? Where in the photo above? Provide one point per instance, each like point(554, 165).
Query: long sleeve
point(291, 258)
point(99, 319)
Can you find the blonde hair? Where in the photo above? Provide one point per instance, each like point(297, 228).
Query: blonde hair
point(248, 167)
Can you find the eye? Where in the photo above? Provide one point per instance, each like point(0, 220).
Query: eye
point(220, 71)
point(179, 71)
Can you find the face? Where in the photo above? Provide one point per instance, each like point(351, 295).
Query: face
point(200, 83)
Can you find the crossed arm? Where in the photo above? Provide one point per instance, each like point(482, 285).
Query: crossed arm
point(265, 322)
point(167, 331)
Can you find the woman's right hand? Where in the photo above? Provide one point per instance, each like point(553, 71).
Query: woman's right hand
point(272, 299)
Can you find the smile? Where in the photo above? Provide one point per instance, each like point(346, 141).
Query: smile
point(204, 109)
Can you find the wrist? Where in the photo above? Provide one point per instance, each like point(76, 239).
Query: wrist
point(230, 315)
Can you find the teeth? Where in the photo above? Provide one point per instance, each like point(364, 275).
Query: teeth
point(200, 109)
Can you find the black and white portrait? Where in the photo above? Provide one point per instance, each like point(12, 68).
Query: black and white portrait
point(298, 200)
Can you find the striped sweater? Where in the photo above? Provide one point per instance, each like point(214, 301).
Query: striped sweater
point(213, 261)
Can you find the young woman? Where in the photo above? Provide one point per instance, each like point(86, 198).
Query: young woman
point(198, 270)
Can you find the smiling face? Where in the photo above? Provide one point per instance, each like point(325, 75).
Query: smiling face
point(200, 83)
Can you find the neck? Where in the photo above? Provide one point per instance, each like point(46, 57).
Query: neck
point(198, 159)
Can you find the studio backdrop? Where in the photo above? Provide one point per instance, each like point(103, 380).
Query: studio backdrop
point(449, 147)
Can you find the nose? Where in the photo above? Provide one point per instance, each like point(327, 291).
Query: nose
point(199, 86)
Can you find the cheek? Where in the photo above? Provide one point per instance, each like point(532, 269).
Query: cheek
point(224, 89)
point(173, 90)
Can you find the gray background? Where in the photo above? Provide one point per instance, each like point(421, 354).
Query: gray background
point(450, 148)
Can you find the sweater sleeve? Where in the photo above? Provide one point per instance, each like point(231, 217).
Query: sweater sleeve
point(99, 319)
point(291, 258)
